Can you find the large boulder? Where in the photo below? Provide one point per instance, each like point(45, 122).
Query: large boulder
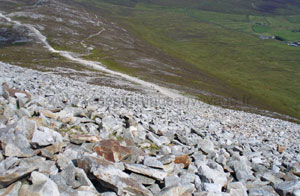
point(212, 174)
point(11, 170)
point(112, 177)
point(14, 143)
point(41, 186)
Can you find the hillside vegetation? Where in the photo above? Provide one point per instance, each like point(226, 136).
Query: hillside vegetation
point(222, 39)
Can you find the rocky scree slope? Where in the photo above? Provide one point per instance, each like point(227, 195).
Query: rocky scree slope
point(63, 137)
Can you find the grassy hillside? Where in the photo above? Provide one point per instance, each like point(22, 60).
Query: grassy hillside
point(221, 38)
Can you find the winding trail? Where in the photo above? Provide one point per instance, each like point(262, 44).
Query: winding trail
point(91, 36)
point(93, 64)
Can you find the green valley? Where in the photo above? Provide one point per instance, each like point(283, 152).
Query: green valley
point(221, 38)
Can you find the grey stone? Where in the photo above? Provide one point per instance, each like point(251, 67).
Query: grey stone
point(213, 188)
point(262, 191)
point(69, 174)
point(109, 194)
point(296, 192)
point(41, 185)
point(243, 170)
point(63, 188)
point(167, 159)
point(43, 166)
point(153, 162)
point(110, 124)
point(147, 171)
point(198, 183)
point(113, 177)
point(154, 139)
point(173, 190)
point(271, 178)
point(206, 145)
point(12, 190)
point(210, 175)
point(66, 158)
point(166, 150)
point(172, 181)
point(154, 188)
point(14, 143)
point(236, 189)
point(46, 136)
point(27, 127)
point(142, 179)
point(287, 188)
point(187, 178)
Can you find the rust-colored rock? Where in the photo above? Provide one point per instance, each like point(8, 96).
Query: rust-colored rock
point(111, 150)
point(184, 159)
point(281, 148)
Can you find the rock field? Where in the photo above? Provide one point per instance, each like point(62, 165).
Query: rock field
point(63, 137)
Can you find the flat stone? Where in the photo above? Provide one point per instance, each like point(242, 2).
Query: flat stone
point(271, 178)
point(142, 179)
point(153, 162)
point(43, 166)
point(173, 190)
point(261, 191)
point(11, 175)
point(167, 159)
point(12, 170)
point(80, 139)
point(147, 171)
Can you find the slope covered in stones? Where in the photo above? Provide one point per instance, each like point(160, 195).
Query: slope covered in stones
point(64, 137)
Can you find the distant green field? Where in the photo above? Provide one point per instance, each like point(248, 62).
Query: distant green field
point(223, 40)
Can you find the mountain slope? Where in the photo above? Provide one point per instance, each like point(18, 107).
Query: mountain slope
point(214, 55)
